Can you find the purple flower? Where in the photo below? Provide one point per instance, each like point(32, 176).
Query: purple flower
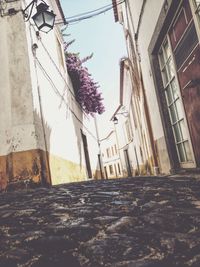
point(86, 90)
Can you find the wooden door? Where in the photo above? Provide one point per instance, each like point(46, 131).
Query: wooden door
point(186, 51)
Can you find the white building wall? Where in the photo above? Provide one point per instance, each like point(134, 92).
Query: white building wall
point(62, 115)
point(145, 34)
point(139, 20)
point(135, 144)
point(39, 111)
point(111, 143)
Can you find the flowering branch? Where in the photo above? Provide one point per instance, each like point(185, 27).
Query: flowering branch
point(86, 90)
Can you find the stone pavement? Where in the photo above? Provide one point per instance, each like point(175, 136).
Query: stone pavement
point(134, 222)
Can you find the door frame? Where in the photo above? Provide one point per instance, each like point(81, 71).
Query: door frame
point(86, 153)
point(127, 161)
point(164, 22)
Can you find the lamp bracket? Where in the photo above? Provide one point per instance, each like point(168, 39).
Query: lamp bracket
point(25, 12)
point(30, 6)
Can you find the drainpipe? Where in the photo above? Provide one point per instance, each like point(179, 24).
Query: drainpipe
point(99, 146)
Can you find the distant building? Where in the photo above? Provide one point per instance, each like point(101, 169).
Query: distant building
point(110, 156)
point(165, 35)
point(45, 136)
point(130, 125)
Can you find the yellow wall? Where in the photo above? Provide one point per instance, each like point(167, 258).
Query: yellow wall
point(32, 165)
point(65, 171)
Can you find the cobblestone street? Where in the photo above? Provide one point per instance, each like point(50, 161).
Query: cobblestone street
point(135, 222)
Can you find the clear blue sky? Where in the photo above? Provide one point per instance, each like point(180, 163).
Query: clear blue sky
point(103, 37)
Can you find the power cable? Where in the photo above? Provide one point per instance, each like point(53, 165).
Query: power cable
point(61, 75)
point(90, 14)
point(56, 90)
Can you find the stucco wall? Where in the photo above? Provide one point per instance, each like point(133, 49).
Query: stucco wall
point(138, 147)
point(110, 142)
point(141, 18)
point(57, 113)
point(39, 113)
point(149, 21)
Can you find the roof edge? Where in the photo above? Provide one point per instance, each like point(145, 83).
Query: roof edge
point(61, 11)
point(114, 3)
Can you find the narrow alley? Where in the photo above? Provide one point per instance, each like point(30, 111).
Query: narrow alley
point(100, 133)
point(132, 222)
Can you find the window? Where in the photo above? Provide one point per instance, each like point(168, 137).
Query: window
point(119, 170)
point(111, 169)
point(186, 45)
point(108, 152)
point(112, 148)
point(172, 95)
point(197, 7)
point(115, 149)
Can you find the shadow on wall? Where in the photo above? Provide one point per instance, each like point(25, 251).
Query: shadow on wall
point(77, 121)
point(43, 133)
point(98, 175)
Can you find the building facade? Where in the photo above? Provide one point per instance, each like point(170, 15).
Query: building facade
point(130, 124)
point(111, 161)
point(165, 36)
point(45, 136)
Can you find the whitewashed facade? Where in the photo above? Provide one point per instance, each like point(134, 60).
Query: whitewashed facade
point(110, 154)
point(130, 127)
point(45, 136)
point(165, 36)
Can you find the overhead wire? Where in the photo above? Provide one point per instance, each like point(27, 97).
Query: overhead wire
point(90, 14)
point(61, 75)
point(56, 90)
point(72, 20)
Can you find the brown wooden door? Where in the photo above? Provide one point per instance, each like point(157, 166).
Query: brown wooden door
point(186, 50)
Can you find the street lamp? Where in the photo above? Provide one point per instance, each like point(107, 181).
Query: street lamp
point(43, 19)
point(115, 119)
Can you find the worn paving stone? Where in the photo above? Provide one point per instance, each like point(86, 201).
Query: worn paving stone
point(134, 222)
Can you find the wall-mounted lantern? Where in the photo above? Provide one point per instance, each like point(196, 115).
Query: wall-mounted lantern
point(43, 18)
point(115, 120)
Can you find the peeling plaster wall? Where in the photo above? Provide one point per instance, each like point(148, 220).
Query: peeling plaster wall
point(16, 115)
point(40, 121)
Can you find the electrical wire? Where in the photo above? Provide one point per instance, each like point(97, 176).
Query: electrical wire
point(56, 90)
point(93, 14)
point(90, 14)
point(61, 75)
